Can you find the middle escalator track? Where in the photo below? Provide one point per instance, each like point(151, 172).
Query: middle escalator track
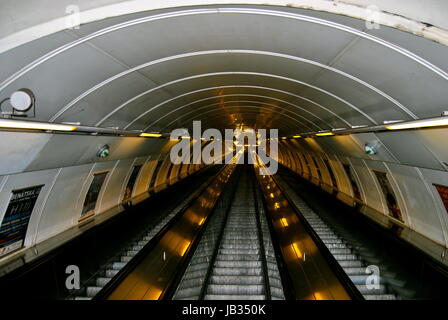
point(235, 259)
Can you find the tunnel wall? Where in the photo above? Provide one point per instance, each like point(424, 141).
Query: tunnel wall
point(424, 217)
point(102, 85)
point(65, 166)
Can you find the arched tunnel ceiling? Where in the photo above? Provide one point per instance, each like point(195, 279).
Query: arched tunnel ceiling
point(265, 66)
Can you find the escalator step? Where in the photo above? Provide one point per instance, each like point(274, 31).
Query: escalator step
point(355, 271)
point(236, 271)
point(233, 280)
point(350, 263)
point(238, 257)
point(92, 291)
point(102, 281)
point(380, 297)
point(235, 289)
point(238, 264)
point(344, 257)
point(369, 291)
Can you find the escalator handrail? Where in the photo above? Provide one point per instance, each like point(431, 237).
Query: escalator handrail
point(285, 277)
point(133, 263)
point(345, 280)
point(261, 240)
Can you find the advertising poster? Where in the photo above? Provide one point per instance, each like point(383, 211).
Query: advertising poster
point(391, 200)
point(351, 177)
point(131, 183)
point(443, 192)
point(16, 219)
point(94, 191)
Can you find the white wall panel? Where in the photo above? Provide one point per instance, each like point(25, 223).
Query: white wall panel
point(18, 150)
point(141, 185)
point(441, 178)
point(420, 205)
point(115, 184)
point(371, 191)
point(343, 182)
point(57, 215)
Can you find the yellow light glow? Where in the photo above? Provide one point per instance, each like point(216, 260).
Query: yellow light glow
point(296, 250)
point(153, 294)
point(297, 136)
point(185, 137)
point(271, 195)
point(17, 124)
point(322, 134)
point(284, 222)
point(277, 205)
point(318, 296)
point(201, 222)
point(419, 124)
point(283, 138)
point(185, 248)
point(150, 135)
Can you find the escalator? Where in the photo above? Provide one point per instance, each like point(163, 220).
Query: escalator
point(101, 251)
point(240, 239)
point(235, 259)
point(118, 262)
point(360, 246)
point(345, 254)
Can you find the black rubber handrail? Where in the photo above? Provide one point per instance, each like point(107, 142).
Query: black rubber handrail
point(209, 272)
point(138, 258)
point(343, 278)
point(264, 263)
point(285, 277)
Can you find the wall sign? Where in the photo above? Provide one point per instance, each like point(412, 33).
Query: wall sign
point(16, 219)
point(332, 176)
point(131, 183)
point(317, 168)
point(391, 200)
point(443, 192)
point(351, 177)
point(93, 193)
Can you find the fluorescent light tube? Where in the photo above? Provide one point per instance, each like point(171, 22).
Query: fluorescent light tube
point(419, 124)
point(32, 125)
point(150, 135)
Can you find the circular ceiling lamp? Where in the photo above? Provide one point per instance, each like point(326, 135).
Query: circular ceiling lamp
point(22, 100)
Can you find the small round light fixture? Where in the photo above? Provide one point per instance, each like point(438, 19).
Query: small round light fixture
point(103, 152)
point(370, 149)
point(22, 100)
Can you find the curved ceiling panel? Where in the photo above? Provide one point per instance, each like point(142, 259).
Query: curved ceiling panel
point(268, 65)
